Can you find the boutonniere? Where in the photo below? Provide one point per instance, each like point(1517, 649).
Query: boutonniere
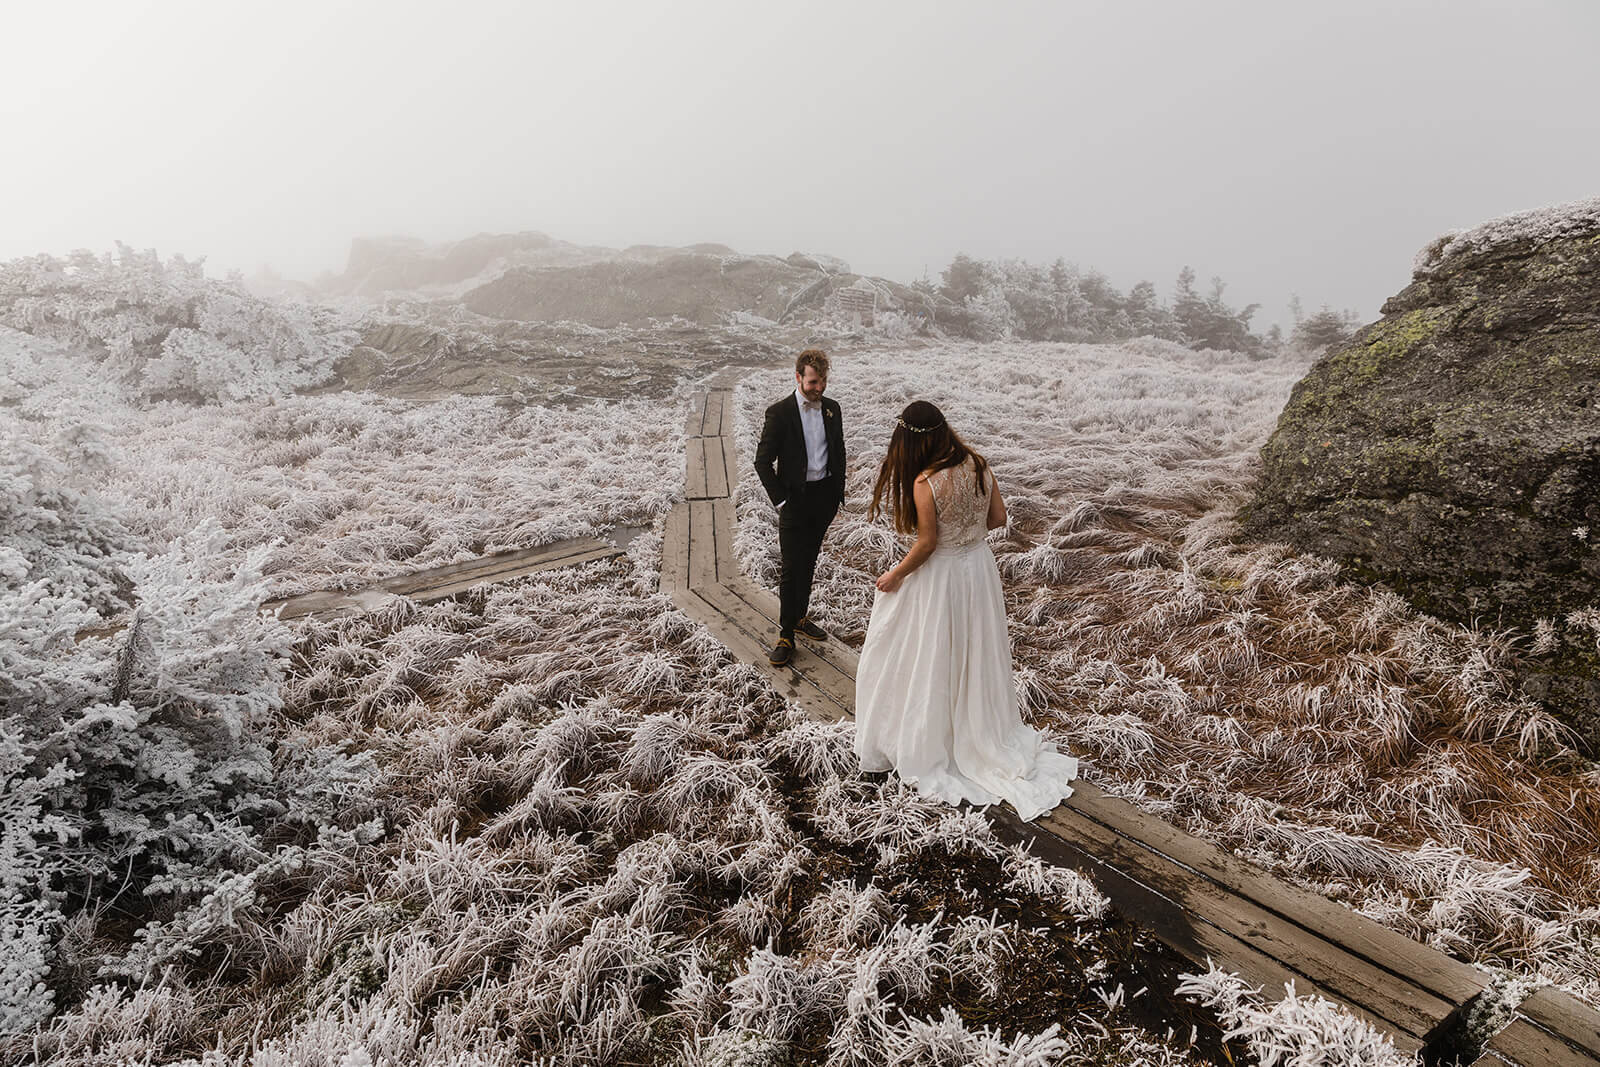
point(827, 413)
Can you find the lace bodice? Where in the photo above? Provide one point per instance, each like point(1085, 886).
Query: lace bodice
point(962, 511)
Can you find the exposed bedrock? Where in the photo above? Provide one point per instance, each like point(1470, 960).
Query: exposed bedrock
point(1451, 450)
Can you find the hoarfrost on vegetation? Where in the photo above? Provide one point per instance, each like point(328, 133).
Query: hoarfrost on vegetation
point(1322, 729)
point(1539, 226)
point(608, 874)
point(1296, 1031)
point(163, 329)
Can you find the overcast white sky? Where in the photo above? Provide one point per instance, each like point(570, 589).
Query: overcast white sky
point(1286, 146)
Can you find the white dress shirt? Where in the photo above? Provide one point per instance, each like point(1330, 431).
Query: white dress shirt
point(816, 439)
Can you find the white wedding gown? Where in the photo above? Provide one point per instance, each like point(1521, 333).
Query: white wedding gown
point(934, 694)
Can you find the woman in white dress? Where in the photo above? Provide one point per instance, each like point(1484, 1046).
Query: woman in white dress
point(934, 695)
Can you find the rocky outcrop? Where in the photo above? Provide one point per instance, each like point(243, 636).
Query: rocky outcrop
point(1451, 450)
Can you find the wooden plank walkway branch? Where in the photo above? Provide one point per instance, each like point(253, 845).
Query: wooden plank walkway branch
point(441, 583)
point(1200, 900)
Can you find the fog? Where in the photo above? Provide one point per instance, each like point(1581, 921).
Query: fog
point(1284, 147)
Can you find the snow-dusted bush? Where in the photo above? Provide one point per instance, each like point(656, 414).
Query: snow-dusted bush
point(136, 762)
point(166, 330)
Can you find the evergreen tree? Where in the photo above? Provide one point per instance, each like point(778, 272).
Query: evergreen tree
point(965, 278)
point(1325, 330)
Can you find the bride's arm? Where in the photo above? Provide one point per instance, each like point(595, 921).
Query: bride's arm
point(997, 504)
point(927, 538)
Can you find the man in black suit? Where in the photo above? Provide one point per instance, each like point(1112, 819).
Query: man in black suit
point(801, 463)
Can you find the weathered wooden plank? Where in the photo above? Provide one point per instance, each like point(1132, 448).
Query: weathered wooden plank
point(789, 683)
point(836, 686)
point(1169, 922)
point(1527, 1045)
point(332, 603)
point(835, 652)
point(716, 466)
point(1565, 1016)
point(697, 414)
point(1323, 965)
point(1426, 967)
point(456, 588)
point(405, 583)
point(418, 584)
point(675, 549)
point(694, 472)
point(555, 554)
point(724, 423)
point(722, 529)
point(711, 425)
point(308, 604)
point(702, 545)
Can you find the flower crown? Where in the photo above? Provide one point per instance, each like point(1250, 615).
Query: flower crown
point(917, 429)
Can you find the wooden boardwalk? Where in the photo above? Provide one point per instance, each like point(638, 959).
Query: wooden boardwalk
point(1203, 902)
point(424, 586)
point(440, 583)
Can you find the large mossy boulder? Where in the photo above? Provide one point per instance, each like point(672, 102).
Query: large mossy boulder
point(1451, 450)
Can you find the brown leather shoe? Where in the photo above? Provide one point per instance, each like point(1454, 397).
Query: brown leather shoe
point(806, 628)
point(781, 653)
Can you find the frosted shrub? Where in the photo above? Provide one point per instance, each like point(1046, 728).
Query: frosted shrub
point(1062, 886)
point(683, 903)
point(167, 330)
point(141, 763)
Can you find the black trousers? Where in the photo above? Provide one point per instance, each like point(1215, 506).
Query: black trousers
point(802, 523)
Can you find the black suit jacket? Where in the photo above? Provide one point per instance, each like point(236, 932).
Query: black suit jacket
point(781, 452)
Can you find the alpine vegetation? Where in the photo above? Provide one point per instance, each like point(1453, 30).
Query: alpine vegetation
point(164, 330)
point(613, 870)
point(1324, 730)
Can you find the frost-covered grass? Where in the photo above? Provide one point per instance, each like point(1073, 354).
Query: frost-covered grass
point(610, 843)
point(352, 487)
point(602, 838)
point(1294, 1031)
point(551, 822)
point(1322, 729)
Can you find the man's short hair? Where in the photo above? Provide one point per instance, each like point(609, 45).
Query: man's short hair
point(812, 357)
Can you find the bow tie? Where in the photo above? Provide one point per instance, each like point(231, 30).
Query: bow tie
point(811, 405)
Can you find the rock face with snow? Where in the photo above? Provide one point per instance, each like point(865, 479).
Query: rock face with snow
point(1452, 449)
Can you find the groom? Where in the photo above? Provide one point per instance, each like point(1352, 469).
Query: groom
point(801, 463)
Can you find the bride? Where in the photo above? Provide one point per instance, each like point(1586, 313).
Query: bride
point(934, 695)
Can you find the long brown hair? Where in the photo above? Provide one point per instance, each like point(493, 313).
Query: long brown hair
point(922, 441)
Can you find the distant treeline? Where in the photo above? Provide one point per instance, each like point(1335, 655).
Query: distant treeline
point(993, 299)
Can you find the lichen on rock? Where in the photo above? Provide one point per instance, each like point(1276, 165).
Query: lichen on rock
point(1451, 449)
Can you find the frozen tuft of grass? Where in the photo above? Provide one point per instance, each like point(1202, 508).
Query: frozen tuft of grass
point(1296, 1031)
